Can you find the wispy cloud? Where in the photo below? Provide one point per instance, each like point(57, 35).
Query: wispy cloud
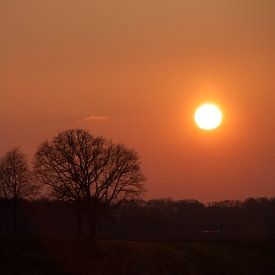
point(95, 118)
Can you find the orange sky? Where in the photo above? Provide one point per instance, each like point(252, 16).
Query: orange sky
point(138, 69)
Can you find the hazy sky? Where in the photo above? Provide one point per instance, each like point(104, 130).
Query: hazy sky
point(134, 71)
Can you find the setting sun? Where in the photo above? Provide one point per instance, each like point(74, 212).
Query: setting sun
point(208, 116)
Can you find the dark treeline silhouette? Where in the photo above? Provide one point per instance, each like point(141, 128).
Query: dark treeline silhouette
point(92, 186)
point(91, 175)
point(15, 181)
point(153, 219)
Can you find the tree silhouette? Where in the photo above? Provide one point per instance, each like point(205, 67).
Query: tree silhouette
point(15, 180)
point(88, 173)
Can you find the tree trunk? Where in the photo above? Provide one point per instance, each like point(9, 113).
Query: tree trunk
point(79, 223)
point(14, 214)
point(92, 223)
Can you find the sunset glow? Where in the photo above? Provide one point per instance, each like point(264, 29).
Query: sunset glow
point(136, 72)
point(208, 117)
point(137, 137)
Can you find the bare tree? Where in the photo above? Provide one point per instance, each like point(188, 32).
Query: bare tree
point(15, 180)
point(89, 173)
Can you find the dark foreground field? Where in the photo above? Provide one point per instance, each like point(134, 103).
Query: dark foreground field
point(83, 256)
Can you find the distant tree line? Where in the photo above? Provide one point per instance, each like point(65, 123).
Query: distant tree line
point(153, 219)
point(166, 218)
point(90, 175)
point(86, 184)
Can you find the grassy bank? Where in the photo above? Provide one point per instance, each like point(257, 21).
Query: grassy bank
point(51, 255)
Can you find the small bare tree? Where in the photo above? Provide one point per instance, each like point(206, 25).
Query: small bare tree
point(15, 180)
point(89, 173)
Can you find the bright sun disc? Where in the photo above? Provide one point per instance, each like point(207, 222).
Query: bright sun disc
point(208, 116)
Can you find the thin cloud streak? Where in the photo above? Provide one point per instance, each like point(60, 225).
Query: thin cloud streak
point(95, 118)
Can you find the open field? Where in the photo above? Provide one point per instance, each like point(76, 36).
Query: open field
point(51, 255)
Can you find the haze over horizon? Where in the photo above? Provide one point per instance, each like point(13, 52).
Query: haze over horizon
point(135, 71)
